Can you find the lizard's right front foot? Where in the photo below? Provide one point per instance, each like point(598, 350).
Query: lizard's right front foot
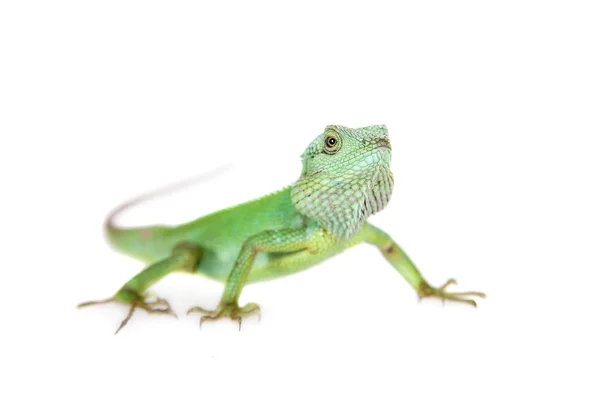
point(134, 300)
point(228, 310)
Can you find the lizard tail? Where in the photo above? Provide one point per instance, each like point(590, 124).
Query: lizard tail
point(135, 240)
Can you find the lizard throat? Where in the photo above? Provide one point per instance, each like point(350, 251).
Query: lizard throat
point(342, 204)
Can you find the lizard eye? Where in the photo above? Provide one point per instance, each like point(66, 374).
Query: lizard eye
point(332, 144)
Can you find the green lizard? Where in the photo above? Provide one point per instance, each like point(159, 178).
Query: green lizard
point(345, 178)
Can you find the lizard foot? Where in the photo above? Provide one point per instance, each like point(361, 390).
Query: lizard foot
point(231, 310)
point(134, 300)
point(462, 297)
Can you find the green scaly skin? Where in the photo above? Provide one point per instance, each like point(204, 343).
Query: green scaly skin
point(345, 179)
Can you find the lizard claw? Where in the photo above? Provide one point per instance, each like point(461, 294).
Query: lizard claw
point(158, 306)
point(461, 297)
point(449, 282)
point(231, 311)
point(197, 310)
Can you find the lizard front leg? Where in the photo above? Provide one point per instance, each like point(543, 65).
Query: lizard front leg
point(403, 264)
point(310, 240)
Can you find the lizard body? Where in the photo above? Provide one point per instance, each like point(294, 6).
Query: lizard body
point(345, 178)
point(220, 244)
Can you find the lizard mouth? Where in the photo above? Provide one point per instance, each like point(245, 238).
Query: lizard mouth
point(384, 148)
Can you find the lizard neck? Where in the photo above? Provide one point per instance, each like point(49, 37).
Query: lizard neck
point(342, 203)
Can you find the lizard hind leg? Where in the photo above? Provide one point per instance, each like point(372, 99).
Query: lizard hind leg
point(135, 301)
point(183, 257)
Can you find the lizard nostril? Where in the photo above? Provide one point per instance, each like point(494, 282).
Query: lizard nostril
point(384, 142)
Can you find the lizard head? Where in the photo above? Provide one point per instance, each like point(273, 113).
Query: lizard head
point(345, 178)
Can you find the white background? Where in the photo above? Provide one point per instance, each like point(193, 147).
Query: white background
point(493, 113)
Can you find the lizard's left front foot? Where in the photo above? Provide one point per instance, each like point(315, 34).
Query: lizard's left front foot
point(231, 310)
point(462, 297)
